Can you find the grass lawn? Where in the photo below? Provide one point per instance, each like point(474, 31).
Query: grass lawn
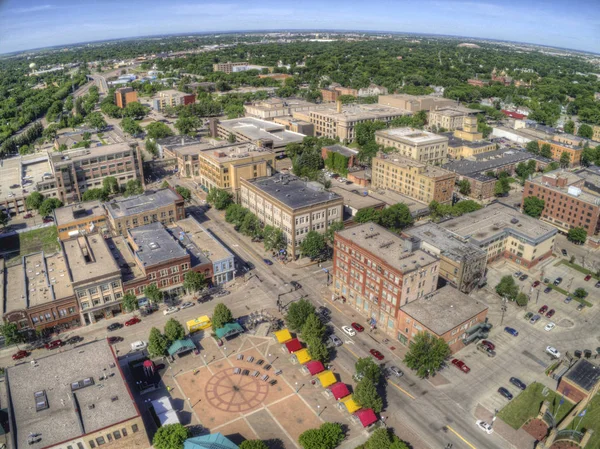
point(591, 420)
point(527, 405)
point(43, 239)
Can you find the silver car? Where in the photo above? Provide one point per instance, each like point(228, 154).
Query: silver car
point(396, 371)
point(534, 319)
point(335, 340)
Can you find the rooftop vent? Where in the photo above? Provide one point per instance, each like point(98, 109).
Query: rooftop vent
point(41, 400)
point(153, 245)
point(514, 220)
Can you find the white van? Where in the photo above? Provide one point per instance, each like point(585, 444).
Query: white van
point(138, 345)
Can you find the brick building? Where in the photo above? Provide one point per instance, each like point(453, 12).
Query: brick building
point(581, 382)
point(558, 148)
point(276, 107)
point(80, 219)
point(449, 117)
point(171, 98)
point(377, 272)
point(350, 153)
point(124, 96)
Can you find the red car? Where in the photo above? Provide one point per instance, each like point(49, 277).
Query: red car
point(54, 344)
point(132, 321)
point(375, 353)
point(491, 346)
point(587, 278)
point(48, 220)
point(461, 365)
point(535, 284)
point(543, 309)
point(357, 327)
point(20, 355)
point(28, 216)
point(113, 340)
point(550, 313)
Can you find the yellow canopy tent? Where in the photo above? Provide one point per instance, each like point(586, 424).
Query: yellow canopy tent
point(283, 335)
point(327, 378)
point(351, 406)
point(302, 356)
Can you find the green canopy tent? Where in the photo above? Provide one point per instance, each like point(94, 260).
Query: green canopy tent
point(212, 441)
point(179, 347)
point(229, 330)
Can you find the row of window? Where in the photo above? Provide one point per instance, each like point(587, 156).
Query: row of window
point(52, 316)
point(116, 435)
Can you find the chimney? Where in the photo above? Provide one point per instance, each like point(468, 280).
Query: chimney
point(338, 106)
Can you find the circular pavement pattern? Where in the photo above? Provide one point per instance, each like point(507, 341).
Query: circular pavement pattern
point(235, 393)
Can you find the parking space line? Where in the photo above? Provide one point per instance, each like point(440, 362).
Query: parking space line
point(460, 436)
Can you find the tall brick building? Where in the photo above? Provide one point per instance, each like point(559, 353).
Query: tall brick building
point(124, 96)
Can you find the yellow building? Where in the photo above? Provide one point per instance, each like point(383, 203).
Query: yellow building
point(596, 134)
point(449, 117)
point(467, 142)
point(422, 146)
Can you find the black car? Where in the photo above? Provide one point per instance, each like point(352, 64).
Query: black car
point(504, 392)
point(517, 383)
point(523, 277)
point(74, 340)
point(564, 252)
point(547, 289)
point(296, 285)
point(557, 281)
point(597, 284)
point(323, 310)
point(114, 327)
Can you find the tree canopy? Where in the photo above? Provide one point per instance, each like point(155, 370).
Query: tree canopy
point(170, 436)
point(507, 288)
point(577, 235)
point(313, 245)
point(221, 316)
point(427, 354)
point(533, 206)
point(298, 313)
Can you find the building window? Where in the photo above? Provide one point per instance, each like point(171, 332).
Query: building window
point(117, 435)
point(124, 432)
point(134, 428)
point(115, 284)
point(92, 444)
point(164, 273)
point(109, 437)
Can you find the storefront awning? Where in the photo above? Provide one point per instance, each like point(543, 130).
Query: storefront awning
point(293, 345)
point(315, 367)
point(327, 378)
point(283, 335)
point(339, 390)
point(351, 406)
point(181, 346)
point(366, 416)
point(302, 356)
point(229, 329)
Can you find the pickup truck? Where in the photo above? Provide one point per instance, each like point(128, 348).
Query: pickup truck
point(486, 350)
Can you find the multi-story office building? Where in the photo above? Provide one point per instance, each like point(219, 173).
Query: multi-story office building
point(124, 96)
point(171, 98)
point(377, 272)
point(416, 144)
point(558, 148)
point(414, 179)
point(569, 199)
point(70, 399)
point(276, 107)
point(79, 170)
point(295, 125)
point(447, 314)
point(294, 206)
point(462, 263)
point(95, 276)
point(504, 232)
point(415, 103)
point(78, 219)
point(229, 67)
point(449, 117)
point(164, 205)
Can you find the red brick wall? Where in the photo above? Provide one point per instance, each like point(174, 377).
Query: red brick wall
point(570, 391)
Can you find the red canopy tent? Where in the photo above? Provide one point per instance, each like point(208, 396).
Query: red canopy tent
point(314, 367)
point(366, 416)
point(293, 345)
point(339, 390)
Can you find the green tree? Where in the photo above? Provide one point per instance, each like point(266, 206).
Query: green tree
point(253, 444)
point(396, 217)
point(533, 147)
point(48, 206)
point(251, 226)
point(187, 125)
point(313, 328)
point(298, 313)
point(235, 214)
point(110, 184)
point(367, 368)
point(382, 438)
point(3, 218)
point(193, 281)
point(34, 201)
point(219, 198)
point(11, 333)
point(522, 299)
point(427, 354)
point(464, 187)
point(273, 238)
point(546, 150)
point(313, 245)
point(95, 194)
point(130, 302)
point(133, 187)
point(318, 350)
point(158, 130)
point(569, 127)
point(96, 121)
point(580, 293)
point(565, 159)
point(328, 436)
point(153, 294)
point(231, 138)
point(367, 215)
point(465, 207)
point(151, 147)
point(170, 436)
point(165, 184)
point(551, 167)
point(577, 235)
point(174, 330)
point(157, 343)
point(332, 229)
point(585, 131)
point(86, 135)
point(502, 187)
point(130, 126)
point(221, 316)
point(184, 192)
point(533, 206)
point(507, 288)
point(366, 395)
point(135, 110)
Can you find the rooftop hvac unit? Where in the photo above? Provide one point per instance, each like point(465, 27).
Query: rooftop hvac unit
point(575, 191)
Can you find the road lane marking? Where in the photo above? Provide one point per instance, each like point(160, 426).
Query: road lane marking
point(401, 389)
point(460, 436)
point(351, 352)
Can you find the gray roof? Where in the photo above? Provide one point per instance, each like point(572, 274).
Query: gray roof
point(345, 151)
point(584, 374)
point(178, 141)
point(293, 192)
point(466, 167)
point(70, 414)
point(147, 201)
point(156, 244)
point(256, 129)
point(444, 309)
point(74, 212)
point(454, 141)
point(446, 242)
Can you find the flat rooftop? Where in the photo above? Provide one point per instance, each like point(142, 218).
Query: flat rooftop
point(497, 219)
point(456, 111)
point(411, 136)
point(584, 374)
point(203, 245)
point(528, 133)
point(225, 154)
point(445, 241)
point(454, 142)
point(293, 192)
point(173, 142)
point(124, 257)
point(155, 245)
point(79, 211)
point(430, 171)
point(444, 309)
point(25, 172)
point(355, 200)
point(255, 129)
point(507, 157)
point(86, 153)
point(572, 178)
point(139, 204)
point(354, 112)
point(281, 103)
point(105, 402)
point(89, 257)
point(390, 247)
point(591, 178)
point(390, 198)
point(345, 151)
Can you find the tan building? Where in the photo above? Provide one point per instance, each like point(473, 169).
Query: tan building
point(558, 149)
point(449, 117)
point(297, 126)
point(294, 206)
point(76, 398)
point(596, 133)
point(339, 121)
point(467, 142)
point(124, 96)
point(414, 179)
point(276, 107)
point(229, 67)
point(79, 219)
point(164, 205)
point(377, 272)
point(415, 103)
point(171, 98)
point(416, 144)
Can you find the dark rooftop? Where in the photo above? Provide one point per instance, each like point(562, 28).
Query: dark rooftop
point(147, 201)
point(466, 167)
point(155, 244)
point(178, 141)
point(584, 374)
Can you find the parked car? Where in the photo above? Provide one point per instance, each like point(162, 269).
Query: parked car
point(461, 365)
point(517, 383)
point(568, 299)
point(549, 326)
point(504, 392)
point(534, 319)
point(547, 289)
point(74, 340)
point(489, 344)
point(348, 330)
point(557, 281)
point(113, 340)
point(335, 340)
point(170, 310)
point(487, 428)
point(48, 220)
point(528, 315)
point(580, 307)
point(221, 293)
point(587, 278)
point(138, 345)
point(28, 215)
point(187, 304)
point(597, 285)
point(543, 309)
point(395, 371)
point(268, 262)
point(523, 277)
point(132, 321)
point(322, 310)
point(535, 284)
point(553, 351)
point(114, 327)
point(296, 285)
point(550, 313)
point(20, 355)
point(357, 327)
point(54, 344)
point(511, 331)
point(375, 353)
point(564, 252)
point(518, 273)
point(489, 352)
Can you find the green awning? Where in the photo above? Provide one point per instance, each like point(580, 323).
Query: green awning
point(212, 441)
point(229, 329)
point(181, 346)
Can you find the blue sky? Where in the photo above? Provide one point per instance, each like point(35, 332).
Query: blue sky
point(26, 24)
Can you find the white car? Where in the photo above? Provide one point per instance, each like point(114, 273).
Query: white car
point(487, 428)
point(553, 351)
point(549, 327)
point(138, 345)
point(170, 310)
point(348, 330)
point(185, 305)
